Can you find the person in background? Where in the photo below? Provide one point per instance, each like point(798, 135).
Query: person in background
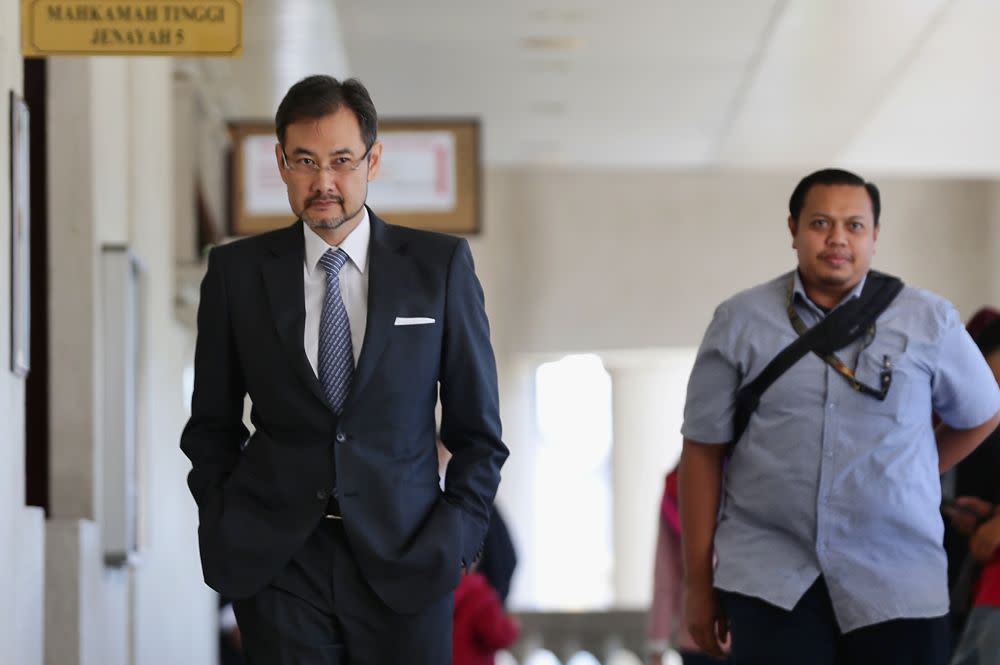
point(975, 476)
point(481, 627)
point(666, 627)
point(827, 530)
point(979, 643)
point(499, 558)
point(975, 517)
point(978, 322)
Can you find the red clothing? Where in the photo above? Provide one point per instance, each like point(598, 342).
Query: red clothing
point(665, 622)
point(669, 508)
point(481, 626)
point(988, 586)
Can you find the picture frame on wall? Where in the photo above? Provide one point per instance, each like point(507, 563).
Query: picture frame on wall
point(258, 198)
point(430, 177)
point(20, 238)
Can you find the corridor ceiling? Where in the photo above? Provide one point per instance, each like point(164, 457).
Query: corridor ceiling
point(890, 86)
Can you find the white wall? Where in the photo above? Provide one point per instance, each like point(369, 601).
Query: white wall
point(11, 388)
point(21, 528)
point(585, 261)
point(175, 612)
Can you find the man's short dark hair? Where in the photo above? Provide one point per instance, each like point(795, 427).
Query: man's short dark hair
point(832, 177)
point(316, 96)
point(988, 340)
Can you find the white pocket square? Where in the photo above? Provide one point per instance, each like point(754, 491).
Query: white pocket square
point(413, 320)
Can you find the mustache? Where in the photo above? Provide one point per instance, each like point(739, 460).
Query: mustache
point(324, 199)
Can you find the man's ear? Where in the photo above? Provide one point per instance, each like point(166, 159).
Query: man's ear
point(374, 160)
point(279, 155)
point(793, 227)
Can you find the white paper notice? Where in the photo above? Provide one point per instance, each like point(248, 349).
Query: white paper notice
point(417, 174)
point(263, 191)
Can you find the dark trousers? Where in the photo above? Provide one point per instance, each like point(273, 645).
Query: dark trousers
point(763, 634)
point(320, 611)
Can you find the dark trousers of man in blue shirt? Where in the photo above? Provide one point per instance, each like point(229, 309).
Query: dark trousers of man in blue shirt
point(763, 634)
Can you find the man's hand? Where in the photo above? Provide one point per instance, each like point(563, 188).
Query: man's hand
point(985, 541)
point(706, 620)
point(967, 513)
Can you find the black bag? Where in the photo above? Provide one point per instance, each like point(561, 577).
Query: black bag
point(838, 329)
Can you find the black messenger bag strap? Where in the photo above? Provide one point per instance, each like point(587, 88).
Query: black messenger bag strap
point(838, 329)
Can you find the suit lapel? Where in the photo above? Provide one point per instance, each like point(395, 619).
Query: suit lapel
point(388, 275)
point(283, 282)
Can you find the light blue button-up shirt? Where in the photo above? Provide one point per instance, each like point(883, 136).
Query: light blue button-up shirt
point(829, 481)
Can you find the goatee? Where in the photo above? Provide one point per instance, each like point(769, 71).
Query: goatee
point(331, 223)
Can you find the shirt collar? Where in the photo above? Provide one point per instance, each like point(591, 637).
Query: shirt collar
point(355, 245)
point(800, 292)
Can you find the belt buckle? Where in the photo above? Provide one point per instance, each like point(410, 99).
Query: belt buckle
point(330, 516)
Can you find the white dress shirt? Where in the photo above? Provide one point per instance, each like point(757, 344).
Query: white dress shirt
point(353, 286)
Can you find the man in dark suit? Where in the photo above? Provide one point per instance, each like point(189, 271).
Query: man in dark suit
point(327, 524)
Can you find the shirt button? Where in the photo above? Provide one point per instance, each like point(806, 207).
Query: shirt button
point(831, 405)
point(341, 437)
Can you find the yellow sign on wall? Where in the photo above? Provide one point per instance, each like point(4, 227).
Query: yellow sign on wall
point(132, 27)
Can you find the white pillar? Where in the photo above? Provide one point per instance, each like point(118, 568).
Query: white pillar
point(647, 397)
point(29, 588)
point(85, 610)
point(74, 480)
point(516, 497)
point(73, 599)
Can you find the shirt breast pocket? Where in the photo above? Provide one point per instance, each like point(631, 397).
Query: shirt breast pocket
point(884, 357)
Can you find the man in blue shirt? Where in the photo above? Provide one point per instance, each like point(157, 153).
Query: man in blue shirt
point(823, 545)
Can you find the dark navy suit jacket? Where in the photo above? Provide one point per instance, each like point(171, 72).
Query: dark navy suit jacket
point(259, 502)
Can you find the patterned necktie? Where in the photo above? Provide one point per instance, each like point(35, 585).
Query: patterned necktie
point(336, 353)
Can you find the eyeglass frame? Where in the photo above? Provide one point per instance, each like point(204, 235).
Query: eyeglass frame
point(356, 164)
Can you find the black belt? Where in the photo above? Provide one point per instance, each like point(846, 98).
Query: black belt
point(333, 509)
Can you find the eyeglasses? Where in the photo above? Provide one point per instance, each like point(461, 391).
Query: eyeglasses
point(306, 167)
